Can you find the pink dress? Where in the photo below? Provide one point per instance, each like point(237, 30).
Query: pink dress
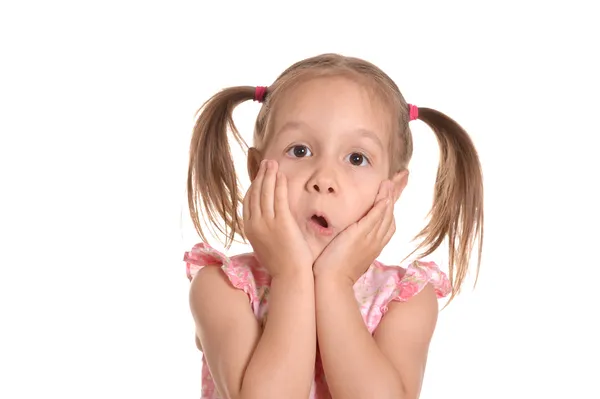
point(374, 290)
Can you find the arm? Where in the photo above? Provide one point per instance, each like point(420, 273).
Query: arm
point(389, 364)
point(243, 362)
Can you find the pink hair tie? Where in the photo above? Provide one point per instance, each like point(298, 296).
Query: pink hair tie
point(259, 93)
point(413, 112)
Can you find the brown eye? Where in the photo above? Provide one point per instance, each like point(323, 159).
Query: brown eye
point(358, 159)
point(299, 151)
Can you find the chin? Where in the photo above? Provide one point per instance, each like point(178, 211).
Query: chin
point(316, 247)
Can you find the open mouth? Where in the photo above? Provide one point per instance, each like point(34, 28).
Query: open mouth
point(320, 220)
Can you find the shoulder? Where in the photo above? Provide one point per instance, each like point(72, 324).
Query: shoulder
point(404, 283)
point(206, 266)
point(418, 276)
point(386, 283)
point(202, 254)
point(409, 299)
point(415, 318)
point(408, 293)
point(210, 289)
point(383, 285)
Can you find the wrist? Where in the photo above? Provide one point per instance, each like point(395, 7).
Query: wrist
point(332, 277)
point(297, 282)
point(294, 273)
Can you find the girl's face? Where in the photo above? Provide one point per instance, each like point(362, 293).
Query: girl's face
point(331, 140)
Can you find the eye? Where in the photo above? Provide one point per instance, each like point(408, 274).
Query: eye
point(358, 159)
point(299, 151)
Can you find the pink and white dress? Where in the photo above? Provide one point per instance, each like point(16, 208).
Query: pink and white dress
point(374, 290)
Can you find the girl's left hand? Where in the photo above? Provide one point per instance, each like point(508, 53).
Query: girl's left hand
point(351, 253)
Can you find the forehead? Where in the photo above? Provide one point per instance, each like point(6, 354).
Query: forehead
point(339, 106)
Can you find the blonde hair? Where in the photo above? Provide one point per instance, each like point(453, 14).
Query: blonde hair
point(457, 212)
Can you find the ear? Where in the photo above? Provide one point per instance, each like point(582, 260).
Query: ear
point(399, 182)
point(254, 158)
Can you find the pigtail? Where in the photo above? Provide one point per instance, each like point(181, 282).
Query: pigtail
point(457, 211)
point(214, 193)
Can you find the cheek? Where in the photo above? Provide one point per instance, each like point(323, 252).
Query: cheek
point(360, 201)
point(368, 183)
point(294, 172)
point(286, 166)
point(359, 207)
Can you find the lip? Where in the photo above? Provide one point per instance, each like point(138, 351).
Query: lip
point(317, 228)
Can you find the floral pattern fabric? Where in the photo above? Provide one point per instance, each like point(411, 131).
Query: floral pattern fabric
point(374, 290)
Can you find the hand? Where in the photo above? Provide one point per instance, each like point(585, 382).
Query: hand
point(270, 227)
point(351, 253)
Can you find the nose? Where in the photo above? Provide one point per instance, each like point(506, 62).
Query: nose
point(327, 188)
point(323, 183)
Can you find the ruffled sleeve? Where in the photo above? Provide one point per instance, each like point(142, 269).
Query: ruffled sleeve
point(239, 269)
point(417, 276)
point(382, 284)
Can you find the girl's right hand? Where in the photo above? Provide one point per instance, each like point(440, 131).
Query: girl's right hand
point(270, 226)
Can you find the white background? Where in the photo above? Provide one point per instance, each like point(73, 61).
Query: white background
point(97, 101)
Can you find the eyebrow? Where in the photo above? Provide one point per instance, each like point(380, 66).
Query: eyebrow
point(370, 135)
point(297, 125)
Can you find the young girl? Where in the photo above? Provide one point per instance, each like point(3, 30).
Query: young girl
point(311, 313)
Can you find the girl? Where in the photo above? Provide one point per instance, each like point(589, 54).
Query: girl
point(311, 313)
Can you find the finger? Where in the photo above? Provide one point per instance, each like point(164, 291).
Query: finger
point(371, 221)
point(383, 191)
point(246, 205)
point(388, 216)
point(281, 195)
point(387, 220)
point(389, 234)
point(256, 190)
point(248, 202)
point(268, 190)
